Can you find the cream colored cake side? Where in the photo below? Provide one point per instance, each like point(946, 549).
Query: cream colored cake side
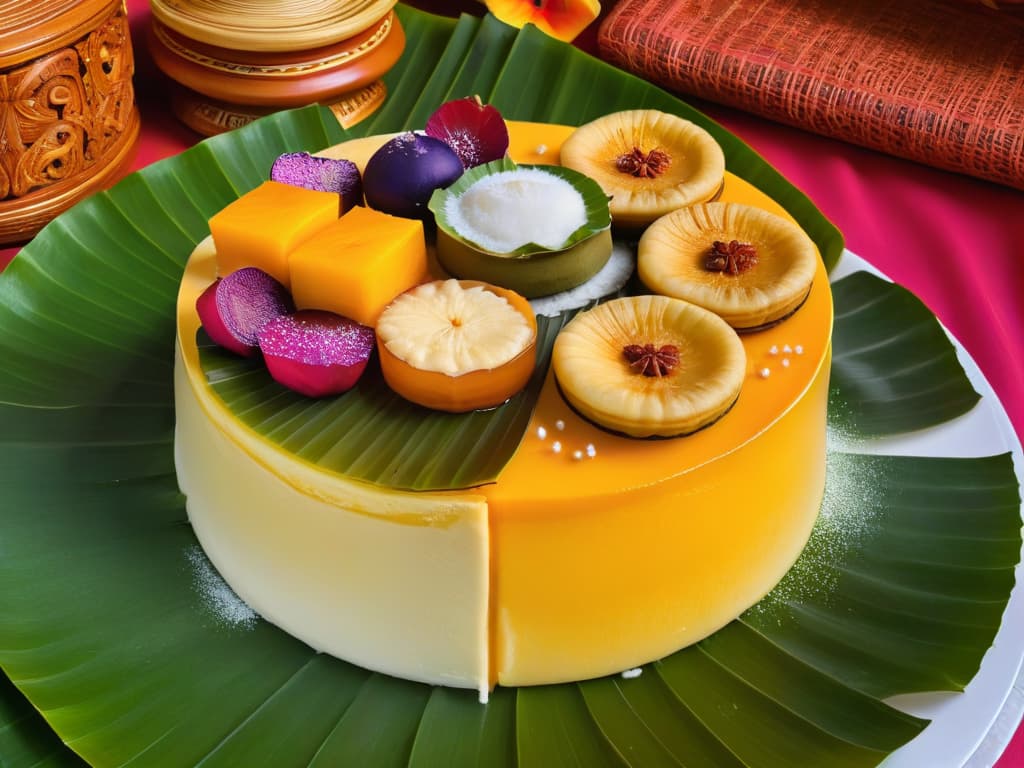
point(395, 582)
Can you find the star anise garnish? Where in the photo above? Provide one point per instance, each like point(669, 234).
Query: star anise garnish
point(650, 360)
point(733, 257)
point(645, 165)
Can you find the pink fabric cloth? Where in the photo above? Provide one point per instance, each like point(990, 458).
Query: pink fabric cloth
point(956, 242)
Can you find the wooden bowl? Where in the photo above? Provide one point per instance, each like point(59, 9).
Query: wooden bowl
point(212, 116)
point(70, 122)
point(281, 79)
point(269, 25)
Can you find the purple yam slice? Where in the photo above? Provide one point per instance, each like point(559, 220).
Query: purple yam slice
point(321, 174)
point(234, 308)
point(316, 353)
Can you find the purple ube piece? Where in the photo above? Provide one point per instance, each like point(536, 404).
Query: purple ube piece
point(316, 353)
point(233, 309)
point(321, 174)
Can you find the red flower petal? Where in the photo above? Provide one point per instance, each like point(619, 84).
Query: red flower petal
point(476, 132)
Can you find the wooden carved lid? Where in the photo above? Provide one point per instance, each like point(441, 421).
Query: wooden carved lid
point(269, 25)
point(31, 27)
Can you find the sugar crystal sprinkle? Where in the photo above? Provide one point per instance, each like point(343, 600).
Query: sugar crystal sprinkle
point(785, 362)
point(556, 446)
point(629, 674)
point(315, 337)
point(850, 509)
point(577, 455)
point(541, 149)
point(764, 373)
point(798, 349)
point(542, 433)
point(787, 349)
point(559, 425)
point(217, 597)
point(591, 450)
point(774, 350)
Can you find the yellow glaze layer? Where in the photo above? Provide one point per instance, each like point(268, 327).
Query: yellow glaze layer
point(356, 265)
point(600, 564)
point(570, 567)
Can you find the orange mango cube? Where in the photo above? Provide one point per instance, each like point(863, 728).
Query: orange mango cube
point(358, 264)
point(263, 226)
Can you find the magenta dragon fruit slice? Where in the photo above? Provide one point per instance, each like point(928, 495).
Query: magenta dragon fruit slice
point(316, 353)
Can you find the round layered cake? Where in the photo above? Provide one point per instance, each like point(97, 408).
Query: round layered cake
point(593, 551)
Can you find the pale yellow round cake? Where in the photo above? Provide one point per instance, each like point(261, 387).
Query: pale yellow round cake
point(585, 558)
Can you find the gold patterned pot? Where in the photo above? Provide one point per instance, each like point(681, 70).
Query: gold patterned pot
point(68, 121)
point(236, 61)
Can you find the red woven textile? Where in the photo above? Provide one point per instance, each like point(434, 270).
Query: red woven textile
point(936, 81)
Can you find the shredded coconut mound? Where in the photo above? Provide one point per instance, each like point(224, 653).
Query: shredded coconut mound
point(507, 210)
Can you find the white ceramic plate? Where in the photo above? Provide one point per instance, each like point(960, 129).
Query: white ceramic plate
point(969, 729)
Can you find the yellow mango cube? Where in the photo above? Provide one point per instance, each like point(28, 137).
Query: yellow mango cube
point(358, 264)
point(263, 226)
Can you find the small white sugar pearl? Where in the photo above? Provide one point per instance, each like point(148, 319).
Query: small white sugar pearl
point(556, 446)
point(787, 349)
point(578, 455)
point(785, 362)
point(629, 674)
point(764, 373)
point(798, 349)
point(774, 350)
point(541, 432)
point(591, 450)
point(559, 425)
point(541, 149)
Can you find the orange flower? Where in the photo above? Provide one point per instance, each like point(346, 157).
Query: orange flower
point(562, 19)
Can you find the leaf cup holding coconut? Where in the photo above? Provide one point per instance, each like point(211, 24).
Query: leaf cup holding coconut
point(536, 230)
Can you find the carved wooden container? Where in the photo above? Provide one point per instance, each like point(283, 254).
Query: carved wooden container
point(68, 121)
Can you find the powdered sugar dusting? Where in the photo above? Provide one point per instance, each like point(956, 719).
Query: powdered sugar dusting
point(846, 522)
point(217, 597)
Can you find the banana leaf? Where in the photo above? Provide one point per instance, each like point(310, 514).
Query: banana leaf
point(373, 434)
point(908, 350)
point(26, 741)
point(123, 638)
